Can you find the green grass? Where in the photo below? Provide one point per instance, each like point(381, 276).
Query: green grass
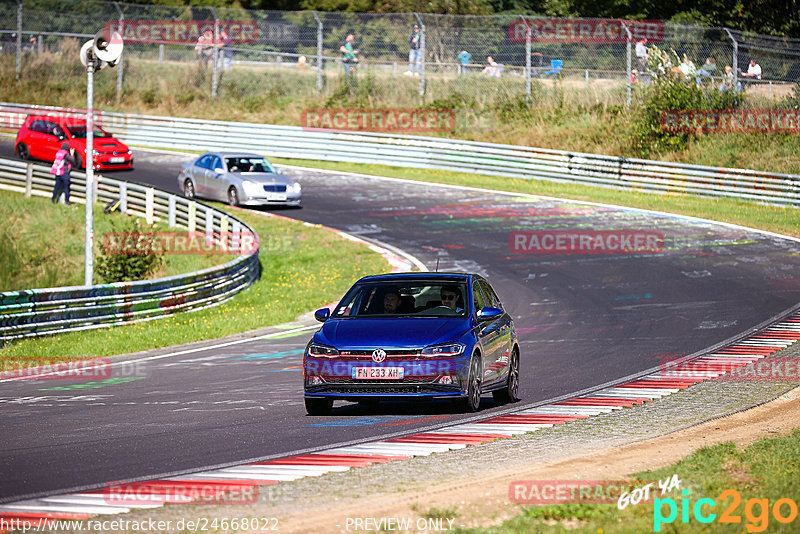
point(767, 469)
point(42, 244)
point(302, 268)
point(772, 218)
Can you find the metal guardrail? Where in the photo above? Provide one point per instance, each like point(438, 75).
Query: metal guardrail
point(36, 312)
point(440, 153)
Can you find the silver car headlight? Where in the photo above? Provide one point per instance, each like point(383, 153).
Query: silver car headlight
point(445, 349)
point(252, 188)
point(295, 188)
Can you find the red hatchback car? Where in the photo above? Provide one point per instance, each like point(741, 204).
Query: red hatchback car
point(41, 136)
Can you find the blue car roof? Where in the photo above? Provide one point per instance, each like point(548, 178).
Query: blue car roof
point(408, 277)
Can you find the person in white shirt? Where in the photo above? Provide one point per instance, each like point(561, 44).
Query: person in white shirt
point(753, 70)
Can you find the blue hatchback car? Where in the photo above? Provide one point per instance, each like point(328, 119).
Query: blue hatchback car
point(412, 336)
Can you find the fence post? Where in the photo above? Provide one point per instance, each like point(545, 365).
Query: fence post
point(161, 53)
point(120, 63)
point(319, 52)
point(587, 79)
point(421, 56)
point(39, 45)
point(192, 218)
point(628, 63)
point(28, 179)
point(123, 197)
point(148, 205)
point(19, 37)
point(171, 212)
point(735, 66)
point(527, 60)
point(215, 55)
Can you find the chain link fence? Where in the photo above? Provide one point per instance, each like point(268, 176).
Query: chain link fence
point(251, 56)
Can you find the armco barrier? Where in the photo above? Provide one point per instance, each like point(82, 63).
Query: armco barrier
point(439, 153)
point(35, 312)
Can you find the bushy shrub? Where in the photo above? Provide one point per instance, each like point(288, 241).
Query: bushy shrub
point(672, 93)
point(126, 255)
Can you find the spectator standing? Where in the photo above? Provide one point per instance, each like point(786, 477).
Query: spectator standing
point(225, 53)
point(414, 55)
point(349, 53)
point(205, 48)
point(641, 55)
point(464, 58)
point(65, 159)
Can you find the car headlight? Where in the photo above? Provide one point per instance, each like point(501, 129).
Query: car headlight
point(323, 351)
point(295, 188)
point(252, 188)
point(445, 349)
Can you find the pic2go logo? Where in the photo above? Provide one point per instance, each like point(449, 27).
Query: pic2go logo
point(757, 522)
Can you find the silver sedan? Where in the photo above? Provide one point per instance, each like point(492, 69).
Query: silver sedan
point(238, 178)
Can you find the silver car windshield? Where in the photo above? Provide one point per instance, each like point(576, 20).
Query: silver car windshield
point(243, 164)
point(431, 299)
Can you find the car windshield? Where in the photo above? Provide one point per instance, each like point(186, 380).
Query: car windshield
point(402, 298)
point(79, 131)
point(244, 164)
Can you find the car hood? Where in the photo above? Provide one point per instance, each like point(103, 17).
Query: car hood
point(265, 177)
point(100, 144)
point(391, 332)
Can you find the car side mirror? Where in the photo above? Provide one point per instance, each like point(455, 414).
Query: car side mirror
point(488, 313)
point(322, 314)
point(219, 170)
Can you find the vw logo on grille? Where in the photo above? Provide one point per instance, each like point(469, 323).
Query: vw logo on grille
point(378, 355)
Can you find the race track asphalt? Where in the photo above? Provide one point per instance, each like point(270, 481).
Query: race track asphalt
point(583, 319)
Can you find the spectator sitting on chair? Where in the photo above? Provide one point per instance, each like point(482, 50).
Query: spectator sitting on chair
point(464, 58)
point(492, 68)
point(707, 70)
point(753, 71)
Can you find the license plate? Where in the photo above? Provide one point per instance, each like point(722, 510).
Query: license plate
point(276, 196)
point(377, 373)
point(116, 160)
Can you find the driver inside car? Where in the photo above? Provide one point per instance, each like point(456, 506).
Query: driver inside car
point(451, 297)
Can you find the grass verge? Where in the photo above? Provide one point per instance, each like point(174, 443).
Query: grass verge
point(302, 268)
point(42, 244)
point(760, 474)
point(783, 220)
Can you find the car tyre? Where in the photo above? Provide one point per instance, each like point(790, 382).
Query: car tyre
point(23, 152)
point(233, 196)
point(188, 189)
point(472, 401)
point(510, 393)
point(318, 406)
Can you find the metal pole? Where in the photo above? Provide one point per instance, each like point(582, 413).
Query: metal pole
point(319, 52)
point(89, 250)
point(215, 55)
point(527, 60)
point(120, 62)
point(735, 66)
point(628, 61)
point(19, 37)
point(421, 55)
